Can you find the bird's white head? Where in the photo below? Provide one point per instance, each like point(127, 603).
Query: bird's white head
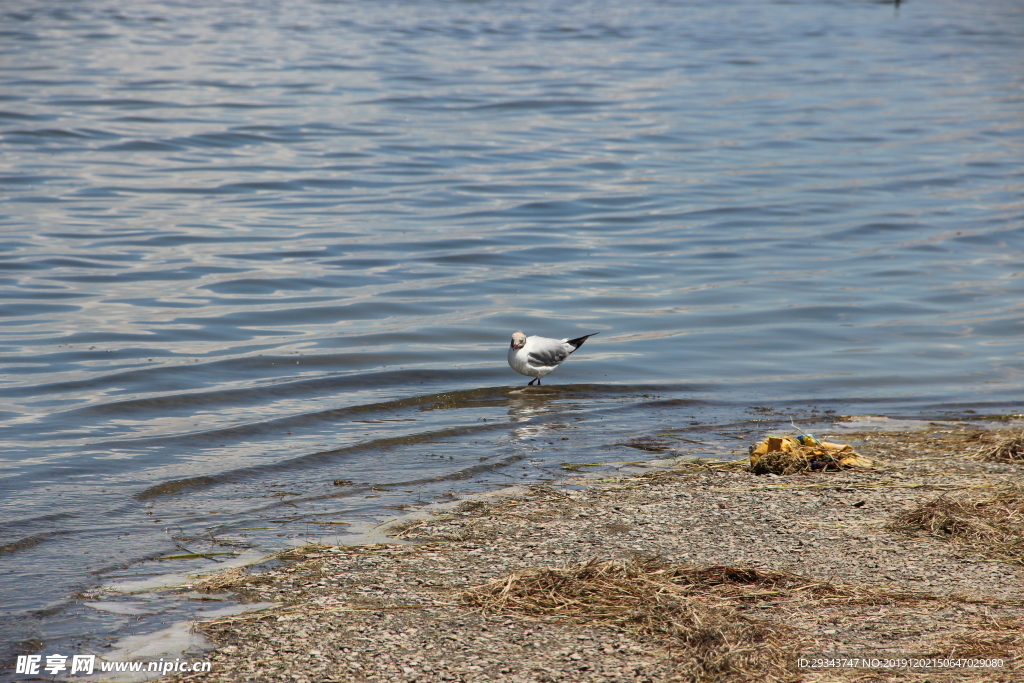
point(518, 339)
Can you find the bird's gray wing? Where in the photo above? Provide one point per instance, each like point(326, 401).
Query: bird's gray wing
point(548, 355)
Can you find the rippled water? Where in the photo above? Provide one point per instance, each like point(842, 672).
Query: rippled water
point(248, 251)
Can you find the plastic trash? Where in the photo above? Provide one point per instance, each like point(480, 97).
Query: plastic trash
point(803, 453)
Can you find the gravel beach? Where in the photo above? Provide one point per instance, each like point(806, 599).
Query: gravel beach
point(703, 571)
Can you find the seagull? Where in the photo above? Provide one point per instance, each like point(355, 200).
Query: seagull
point(538, 356)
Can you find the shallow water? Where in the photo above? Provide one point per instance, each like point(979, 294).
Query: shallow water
point(247, 252)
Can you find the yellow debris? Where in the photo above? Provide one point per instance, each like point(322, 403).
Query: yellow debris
point(790, 454)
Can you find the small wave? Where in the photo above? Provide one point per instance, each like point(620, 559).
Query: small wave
point(308, 460)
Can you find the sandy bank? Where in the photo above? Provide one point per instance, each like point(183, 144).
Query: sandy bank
point(753, 573)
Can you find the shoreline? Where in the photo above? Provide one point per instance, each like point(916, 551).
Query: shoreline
point(782, 567)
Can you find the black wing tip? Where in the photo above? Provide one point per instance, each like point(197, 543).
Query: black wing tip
point(578, 341)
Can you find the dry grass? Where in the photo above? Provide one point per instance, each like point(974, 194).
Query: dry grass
point(703, 616)
point(781, 463)
point(998, 638)
point(405, 528)
point(1008, 448)
point(302, 552)
point(993, 526)
point(232, 578)
point(695, 613)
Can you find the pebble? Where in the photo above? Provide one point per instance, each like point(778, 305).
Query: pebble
point(392, 612)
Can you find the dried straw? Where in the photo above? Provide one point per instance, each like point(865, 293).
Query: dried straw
point(781, 463)
point(222, 580)
point(1008, 449)
point(993, 526)
point(999, 638)
point(692, 611)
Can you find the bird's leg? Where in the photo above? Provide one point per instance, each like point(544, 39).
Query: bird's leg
point(535, 379)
